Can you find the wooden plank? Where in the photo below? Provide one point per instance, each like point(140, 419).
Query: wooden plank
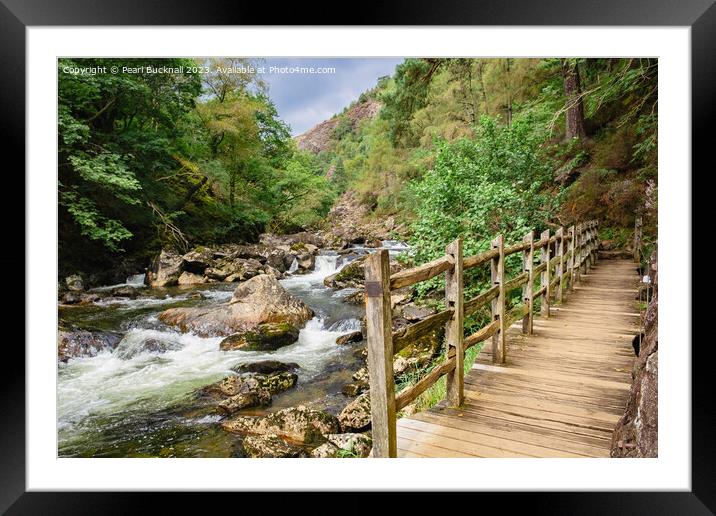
point(517, 281)
point(541, 443)
point(380, 354)
point(485, 443)
point(420, 273)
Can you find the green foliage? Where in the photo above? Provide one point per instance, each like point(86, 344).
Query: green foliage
point(480, 188)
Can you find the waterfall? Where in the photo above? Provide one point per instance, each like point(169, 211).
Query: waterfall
point(294, 266)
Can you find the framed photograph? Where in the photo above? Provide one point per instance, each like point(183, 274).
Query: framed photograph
point(429, 245)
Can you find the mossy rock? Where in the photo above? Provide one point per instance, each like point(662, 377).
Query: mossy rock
point(299, 246)
point(266, 337)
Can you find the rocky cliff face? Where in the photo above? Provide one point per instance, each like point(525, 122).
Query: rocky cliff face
point(319, 138)
point(636, 434)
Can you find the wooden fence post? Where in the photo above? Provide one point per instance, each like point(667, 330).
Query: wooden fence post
point(380, 354)
point(560, 265)
point(570, 263)
point(454, 328)
point(637, 238)
point(544, 276)
point(497, 269)
point(588, 248)
point(578, 252)
point(596, 241)
point(528, 288)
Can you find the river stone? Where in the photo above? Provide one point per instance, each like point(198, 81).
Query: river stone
point(165, 269)
point(358, 444)
point(413, 312)
point(233, 385)
point(74, 283)
point(189, 278)
point(325, 451)
point(257, 301)
point(354, 389)
point(361, 375)
point(125, 291)
point(83, 343)
point(197, 260)
point(350, 276)
point(270, 446)
point(355, 336)
point(266, 337)
point(355, 417)
point(298, 424)
point(265, 367)
point(232, 404)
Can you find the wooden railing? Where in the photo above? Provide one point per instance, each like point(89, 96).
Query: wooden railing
point(563, 257)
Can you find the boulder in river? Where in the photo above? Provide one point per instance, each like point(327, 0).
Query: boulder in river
point(358, 445)
point(75, 283)
point(197, 260)
point(299, 424)
point(270, 446)
point(260, 300)
point(266, 367)
point(84, 343)
point(165, 269)
point(355, 336)
point(266, 337)
point(355, 417)
point(190, 278)
point(232, 404)
point(246, 383)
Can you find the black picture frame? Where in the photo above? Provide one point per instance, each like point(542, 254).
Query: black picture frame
point(17, 15)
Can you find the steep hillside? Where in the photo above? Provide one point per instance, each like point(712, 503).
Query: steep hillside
point(320, 137)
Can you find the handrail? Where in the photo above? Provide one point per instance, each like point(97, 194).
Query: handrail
point(563, 257)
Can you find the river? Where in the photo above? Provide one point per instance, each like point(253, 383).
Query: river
point(138, 400)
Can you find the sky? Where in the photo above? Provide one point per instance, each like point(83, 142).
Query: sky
point(306, 99)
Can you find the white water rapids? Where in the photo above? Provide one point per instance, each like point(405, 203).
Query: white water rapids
point(155, 367)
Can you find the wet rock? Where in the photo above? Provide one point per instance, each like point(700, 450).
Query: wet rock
point(196, 295)
point(400, 296)
point(75, 283)
point(270, 446)
point(70, 298)
point(413, 312)
point(266, 367)
point(355, 417)
point(325, 451)
point(354, 389)
point(125, 291)
point(190, 278)
point(83, 343)
point(361, 375)
point(165, 269)
point(357, 298)
point(260, 300)
point(356, 444)
point(355, 336)
point(247, 383)
point(298, 424)
point(197, 260)
point(266, 337)
point(350, 276)
point(306, 261)
point(134, 344)
point(232, 404)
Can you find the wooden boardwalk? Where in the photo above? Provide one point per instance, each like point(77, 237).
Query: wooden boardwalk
point(561, 391)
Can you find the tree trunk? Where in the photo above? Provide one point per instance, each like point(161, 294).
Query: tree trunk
point(575, 106)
